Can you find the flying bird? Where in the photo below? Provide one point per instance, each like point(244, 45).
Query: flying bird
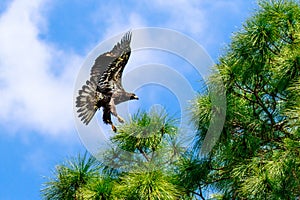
point(104, 88)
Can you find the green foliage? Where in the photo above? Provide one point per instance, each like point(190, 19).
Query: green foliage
point(148, 138)
point(145, 133)
point(257, 155)
point(71, 178)
point(293, 108)
point(152, 185)
point(144, 153)
point(192, 175)
point(100, 188)
point(139, 165)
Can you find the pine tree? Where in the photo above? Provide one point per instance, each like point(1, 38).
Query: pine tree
point(257, 155)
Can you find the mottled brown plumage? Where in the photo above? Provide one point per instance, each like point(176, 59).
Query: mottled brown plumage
point(104, 88)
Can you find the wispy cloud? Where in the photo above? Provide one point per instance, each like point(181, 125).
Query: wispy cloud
point(209, 22)
point(33, 96)
point(186, 16)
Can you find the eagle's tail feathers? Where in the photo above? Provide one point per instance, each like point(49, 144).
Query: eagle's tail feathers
point(86, 101)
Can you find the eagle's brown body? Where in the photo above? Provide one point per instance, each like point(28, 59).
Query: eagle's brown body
point(104, 88)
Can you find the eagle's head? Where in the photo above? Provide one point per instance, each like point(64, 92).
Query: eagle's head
point(125, 96)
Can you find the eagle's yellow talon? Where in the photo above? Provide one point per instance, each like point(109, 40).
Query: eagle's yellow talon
point(114, 128)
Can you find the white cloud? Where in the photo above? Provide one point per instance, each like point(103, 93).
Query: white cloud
point(196, 18)
point(118, 23)
point(183, 15)
point(32, 96)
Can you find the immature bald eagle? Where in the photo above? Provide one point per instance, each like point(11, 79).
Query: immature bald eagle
point(104, 88)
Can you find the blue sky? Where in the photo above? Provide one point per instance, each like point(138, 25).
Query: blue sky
point(43, 44)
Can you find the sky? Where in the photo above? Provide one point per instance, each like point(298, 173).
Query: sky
point(43, 46)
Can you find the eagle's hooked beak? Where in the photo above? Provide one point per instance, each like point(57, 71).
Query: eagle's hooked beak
point(134, 97)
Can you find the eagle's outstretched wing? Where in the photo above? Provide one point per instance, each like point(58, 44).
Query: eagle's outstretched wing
point(104, 61)
point(105, 77)
point(111, 77)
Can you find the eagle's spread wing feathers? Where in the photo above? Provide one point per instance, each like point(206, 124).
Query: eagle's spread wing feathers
point(111, 77)
point(101, 64)
point(105, 60)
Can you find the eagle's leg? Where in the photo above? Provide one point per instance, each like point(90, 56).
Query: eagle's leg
point(107, 119)
point(120, 119)
point(113, 110)
point(112, 125)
